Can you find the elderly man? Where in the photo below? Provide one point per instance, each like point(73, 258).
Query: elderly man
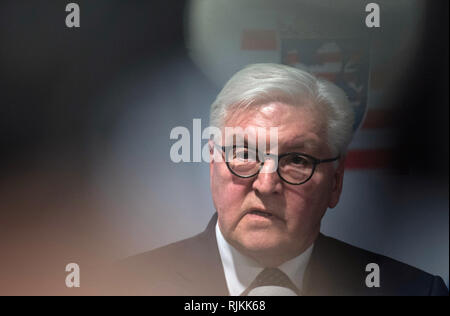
point(265, 237)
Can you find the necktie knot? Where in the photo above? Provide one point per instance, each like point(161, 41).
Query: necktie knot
point(271, 281)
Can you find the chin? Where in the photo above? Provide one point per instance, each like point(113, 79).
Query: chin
point(260, 242)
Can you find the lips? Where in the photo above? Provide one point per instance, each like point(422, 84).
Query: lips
point(263, 212)
point(260, 213)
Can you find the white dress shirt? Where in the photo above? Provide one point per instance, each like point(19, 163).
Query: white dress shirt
point(240, 271)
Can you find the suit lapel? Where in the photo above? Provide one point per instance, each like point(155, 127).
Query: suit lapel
point(205, 275)
point(329, 272)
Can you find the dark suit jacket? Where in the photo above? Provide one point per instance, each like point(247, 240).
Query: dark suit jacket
point(193, 267)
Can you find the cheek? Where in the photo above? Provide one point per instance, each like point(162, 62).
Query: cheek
point(307, 203)
point(228, 193)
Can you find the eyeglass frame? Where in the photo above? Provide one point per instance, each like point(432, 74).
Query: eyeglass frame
point(316, 161)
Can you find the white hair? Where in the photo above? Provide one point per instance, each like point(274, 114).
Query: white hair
point(259, 84)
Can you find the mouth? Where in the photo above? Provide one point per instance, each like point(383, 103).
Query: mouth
point(261, 213)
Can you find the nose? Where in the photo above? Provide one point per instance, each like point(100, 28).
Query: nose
point(268, 181)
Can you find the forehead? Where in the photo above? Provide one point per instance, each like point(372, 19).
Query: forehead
point(296, 124)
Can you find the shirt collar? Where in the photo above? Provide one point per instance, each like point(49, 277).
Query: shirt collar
point(240, 270)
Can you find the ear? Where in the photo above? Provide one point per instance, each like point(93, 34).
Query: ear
point(211, 156)
point(338, 179)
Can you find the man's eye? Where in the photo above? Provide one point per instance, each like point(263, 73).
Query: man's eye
point(244, 153)
point(241, 154)
point(299, 161)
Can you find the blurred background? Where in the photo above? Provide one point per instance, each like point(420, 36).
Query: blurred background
point(86, 114)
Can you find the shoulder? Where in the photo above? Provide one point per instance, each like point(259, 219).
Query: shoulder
point(187, 267)
point(395, 278)
point(159, 271)
point(170, 255)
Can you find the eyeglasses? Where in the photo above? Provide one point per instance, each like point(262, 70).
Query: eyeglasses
point(293, 168)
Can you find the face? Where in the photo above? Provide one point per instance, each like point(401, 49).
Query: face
point(295, 210)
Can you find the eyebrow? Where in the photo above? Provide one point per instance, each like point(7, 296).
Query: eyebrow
point(298, 142)
point(232, 141)
point(301, 143)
